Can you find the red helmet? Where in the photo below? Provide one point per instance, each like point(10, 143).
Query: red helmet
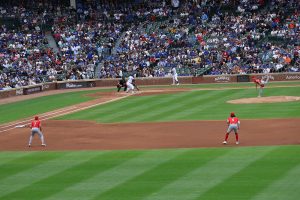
point(232, 114)
point(36, 117)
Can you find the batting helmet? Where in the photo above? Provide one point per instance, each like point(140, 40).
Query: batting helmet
point(232, 114)
point(36, 117)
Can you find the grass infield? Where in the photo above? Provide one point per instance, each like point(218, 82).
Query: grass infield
point(192, 105)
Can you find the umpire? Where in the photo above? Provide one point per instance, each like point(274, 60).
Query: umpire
point(122, 83)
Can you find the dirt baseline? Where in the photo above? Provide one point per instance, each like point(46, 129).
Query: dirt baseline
point(83, 135)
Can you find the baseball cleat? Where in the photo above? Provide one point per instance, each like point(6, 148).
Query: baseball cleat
point(237, 142)
point(43, 145)
point(224, 142)
point(29, 145)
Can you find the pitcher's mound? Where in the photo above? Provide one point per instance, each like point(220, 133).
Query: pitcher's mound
point(273, 99)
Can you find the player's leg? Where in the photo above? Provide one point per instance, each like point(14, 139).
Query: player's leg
point(260, 92)
point(119, 87)
point(227, 134)
point(33, 132)
point(236, 135)
point(41, 137)
point(173, 77)
point(176, 80)
point(132, 88)
point(125, 87)
point(128, 87)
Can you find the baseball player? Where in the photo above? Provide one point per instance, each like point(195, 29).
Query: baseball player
point(261, 83)
point(130, 86)
point(36, 128)
point(122, 83)
point(233, 125)
point(174, 75)
point(135, 85)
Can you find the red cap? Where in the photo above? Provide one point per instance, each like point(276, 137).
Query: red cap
point(36, 117)
point(232, 114)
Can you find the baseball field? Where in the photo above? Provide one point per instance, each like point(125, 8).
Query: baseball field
point(160, 143)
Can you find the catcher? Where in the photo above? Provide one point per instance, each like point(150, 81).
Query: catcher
point(122, 83)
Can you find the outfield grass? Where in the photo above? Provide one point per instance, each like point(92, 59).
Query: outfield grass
point(178, 174)
point(192, 105)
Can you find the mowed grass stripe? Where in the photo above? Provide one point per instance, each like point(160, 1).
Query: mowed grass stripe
point(26, 178)
point(253, 179)
point(151, 181)
point(144, 110)
point(27, 161)
point(198, 105)
point(170, 113)
point(162, 109)
point(286, 188)
point(9, 156)
point(209, 108)
point(77, 173)
point(22, 109)
point(106, 180)
point(191, 105)
point(108, 109)
point(211, 174)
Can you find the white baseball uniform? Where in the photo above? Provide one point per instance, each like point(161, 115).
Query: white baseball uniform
point(174, 75)
point(129, 84)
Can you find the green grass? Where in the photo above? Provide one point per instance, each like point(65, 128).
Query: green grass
point(162, 107)
point(215, 173)
point(192, 105)
point(256, 173)
point(22, 109)
point(228, 85)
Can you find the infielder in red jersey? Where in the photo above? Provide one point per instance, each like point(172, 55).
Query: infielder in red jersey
point(233, 125)
point(36, 128)
point(261, 83)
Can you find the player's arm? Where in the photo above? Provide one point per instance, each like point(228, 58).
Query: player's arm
point(227, 121)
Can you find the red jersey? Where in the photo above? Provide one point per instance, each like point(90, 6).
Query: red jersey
point(36, 124)
point(258, 82)
point(232, 120)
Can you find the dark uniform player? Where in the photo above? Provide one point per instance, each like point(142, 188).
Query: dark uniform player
point(122, 83)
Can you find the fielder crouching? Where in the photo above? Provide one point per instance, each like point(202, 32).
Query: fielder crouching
point(36, 128)
point(122, 83)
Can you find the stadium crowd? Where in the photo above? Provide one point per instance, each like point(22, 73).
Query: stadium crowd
point(147, 40)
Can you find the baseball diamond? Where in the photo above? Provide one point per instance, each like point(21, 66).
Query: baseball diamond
point(158, 135)
point(149, 100)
